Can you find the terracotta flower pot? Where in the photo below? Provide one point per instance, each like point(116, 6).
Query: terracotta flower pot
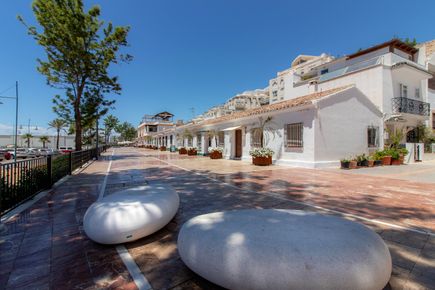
point(396, 162)
point(162, 148)
point(192, 152)
point(216, 155)
point(262, 161)
point(386, 160)
point(370, 163)
point(353, 164)
point(182, 151)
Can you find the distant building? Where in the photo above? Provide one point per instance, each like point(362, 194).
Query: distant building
point(65, 141)
point(153, 124)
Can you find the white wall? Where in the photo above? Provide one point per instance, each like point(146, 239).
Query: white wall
point(341, 126)
point(369, 81)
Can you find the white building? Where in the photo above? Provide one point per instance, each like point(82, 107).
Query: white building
point(152, 125)
point(324, 109)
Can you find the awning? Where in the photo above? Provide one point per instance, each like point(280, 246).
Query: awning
point(232, 128)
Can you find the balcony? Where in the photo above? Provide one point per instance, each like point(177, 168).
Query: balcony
point(410, 106)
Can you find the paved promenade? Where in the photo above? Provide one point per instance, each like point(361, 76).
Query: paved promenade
point(45, 247)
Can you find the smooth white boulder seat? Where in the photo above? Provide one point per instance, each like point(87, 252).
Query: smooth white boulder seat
point(284, 249)
point(130, 214)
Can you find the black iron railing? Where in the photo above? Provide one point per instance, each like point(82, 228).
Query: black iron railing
point(410, 106)
point(22, 180)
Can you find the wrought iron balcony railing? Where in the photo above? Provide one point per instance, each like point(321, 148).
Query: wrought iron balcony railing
point(410, 106)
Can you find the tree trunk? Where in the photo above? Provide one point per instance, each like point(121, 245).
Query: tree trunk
point(78, 126)
point(57, 139)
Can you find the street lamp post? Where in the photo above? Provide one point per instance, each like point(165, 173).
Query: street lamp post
point(2, 226)
point(16, 119)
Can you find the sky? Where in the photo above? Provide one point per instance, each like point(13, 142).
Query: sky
point(197, 53)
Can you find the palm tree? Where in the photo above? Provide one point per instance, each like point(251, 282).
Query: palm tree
point(27, 136)
point(44, 139)
point(59, 125)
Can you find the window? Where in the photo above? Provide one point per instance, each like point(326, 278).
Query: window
point(433, 121)
point(372, 136)
point(275, 93)
point(403, 91)
point(256, 138)
point(417, 93)
point(294, 135)
point(324, 71)
point(221, 138)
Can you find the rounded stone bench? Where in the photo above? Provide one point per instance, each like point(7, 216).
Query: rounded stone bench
point(130, 214)
point(284, 249)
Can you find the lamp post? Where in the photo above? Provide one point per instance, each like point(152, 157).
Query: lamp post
point(2, 226)
point(16, 119)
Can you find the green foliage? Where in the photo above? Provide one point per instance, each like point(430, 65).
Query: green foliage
point(110, 123)
point(127, 131)
point(80, 49)
point(27, 136)
point(59, 125)
point(44, 140)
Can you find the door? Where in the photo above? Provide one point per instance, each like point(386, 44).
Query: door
point(238, 143)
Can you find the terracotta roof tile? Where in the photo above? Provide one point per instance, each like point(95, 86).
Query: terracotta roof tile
point(296, 102)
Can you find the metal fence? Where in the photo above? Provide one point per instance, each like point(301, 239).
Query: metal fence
point(22, 180)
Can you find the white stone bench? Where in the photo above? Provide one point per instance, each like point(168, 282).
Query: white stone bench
point(284, 249)
point(130, 214)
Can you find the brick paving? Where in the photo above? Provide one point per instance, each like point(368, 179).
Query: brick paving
point(45, 247)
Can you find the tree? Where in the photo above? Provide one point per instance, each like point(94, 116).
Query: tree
point(127, 131)
point(27, 136)
point(80, 49)
point(44, 139)
point(59, 125)
point(110, 123)
point(262, 130)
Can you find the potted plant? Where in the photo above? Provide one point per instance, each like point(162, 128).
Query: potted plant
point(344, 163)
point(162, 148)
point(261, 156)
point(182, 150)
point(386, 157)
point(353, 164)
point(402, 153)
point(362, 160)
point(371, 161)
point(191, 151)
point(377, 157)
point(215, 152)
point(395, 155)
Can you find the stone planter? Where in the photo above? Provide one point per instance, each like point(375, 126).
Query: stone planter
point(378, 162)
point(386, 160)
point(216, 155)
point(262, 161)
point(192, 152)
point(345, 165)
point(162, 148)
point(353, 164)
point(182, 151)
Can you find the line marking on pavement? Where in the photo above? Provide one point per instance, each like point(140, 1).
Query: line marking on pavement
point(103, 186)
point(138, 278)
point(304, 203)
